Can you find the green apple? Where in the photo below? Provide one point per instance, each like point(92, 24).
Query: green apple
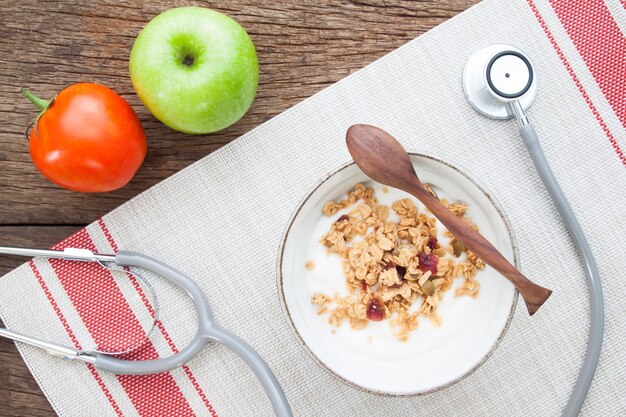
point(195, 69)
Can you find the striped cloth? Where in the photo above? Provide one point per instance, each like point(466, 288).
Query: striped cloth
point(221, 220)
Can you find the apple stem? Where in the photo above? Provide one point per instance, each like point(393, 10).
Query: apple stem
point(41, 104)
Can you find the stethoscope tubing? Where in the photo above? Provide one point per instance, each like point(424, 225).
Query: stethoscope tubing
point(596, 328)
point(263, 373)
point(207, 331)
point(489, 100)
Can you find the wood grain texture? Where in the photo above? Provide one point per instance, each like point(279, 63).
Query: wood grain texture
point(46, 45)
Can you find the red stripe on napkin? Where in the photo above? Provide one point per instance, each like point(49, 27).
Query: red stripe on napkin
point(160, 326)
point(108, 318)
point(72, 336)
point(601, 44)
point(578, 84)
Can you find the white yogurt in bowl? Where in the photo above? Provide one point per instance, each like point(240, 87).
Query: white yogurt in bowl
point(373, 359)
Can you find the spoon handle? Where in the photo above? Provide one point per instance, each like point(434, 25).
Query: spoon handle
point(534, 295)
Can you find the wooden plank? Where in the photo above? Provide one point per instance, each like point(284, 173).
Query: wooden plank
point(302, 48)
point(19, 393)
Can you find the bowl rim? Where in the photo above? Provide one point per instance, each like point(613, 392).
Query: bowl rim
point(316, 359)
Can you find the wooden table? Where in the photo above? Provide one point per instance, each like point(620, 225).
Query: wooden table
point(46, 45)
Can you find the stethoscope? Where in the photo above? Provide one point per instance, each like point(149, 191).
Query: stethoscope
point(500, 82)
point(206, 332)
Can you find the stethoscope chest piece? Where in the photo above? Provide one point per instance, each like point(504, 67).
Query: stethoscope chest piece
point(496, 75)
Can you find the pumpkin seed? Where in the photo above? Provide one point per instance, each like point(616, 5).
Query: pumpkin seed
point(429, 288)
point(457, 247)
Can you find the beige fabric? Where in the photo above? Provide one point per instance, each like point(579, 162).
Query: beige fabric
point(221, 221)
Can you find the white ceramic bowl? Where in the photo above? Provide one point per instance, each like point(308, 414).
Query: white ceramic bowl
point(372, 359)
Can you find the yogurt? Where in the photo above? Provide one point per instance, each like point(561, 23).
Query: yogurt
point(377, 340)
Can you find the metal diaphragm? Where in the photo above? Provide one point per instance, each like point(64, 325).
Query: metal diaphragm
point(496, 75)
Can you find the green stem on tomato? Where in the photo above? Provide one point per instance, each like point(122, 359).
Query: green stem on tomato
point(40, 103)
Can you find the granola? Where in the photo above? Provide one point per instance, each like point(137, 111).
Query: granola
point(394, 270)
point(309, 265)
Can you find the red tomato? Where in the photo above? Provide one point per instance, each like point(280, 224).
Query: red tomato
point(87, 139)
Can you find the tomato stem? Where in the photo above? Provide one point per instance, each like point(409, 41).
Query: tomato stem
point(40, 103)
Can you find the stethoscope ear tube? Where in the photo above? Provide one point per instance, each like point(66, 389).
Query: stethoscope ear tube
point(207, 331)
point(596, 330)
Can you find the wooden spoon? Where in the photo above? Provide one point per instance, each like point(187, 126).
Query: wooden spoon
point(383, 159)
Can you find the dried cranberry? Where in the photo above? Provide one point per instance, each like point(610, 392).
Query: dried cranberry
point(428, 263)
point(374, 310)
point(395, 285)
point(364, 286)
point(343, 218)
point(432, 242)
point(388, 266)
point(401, 271)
